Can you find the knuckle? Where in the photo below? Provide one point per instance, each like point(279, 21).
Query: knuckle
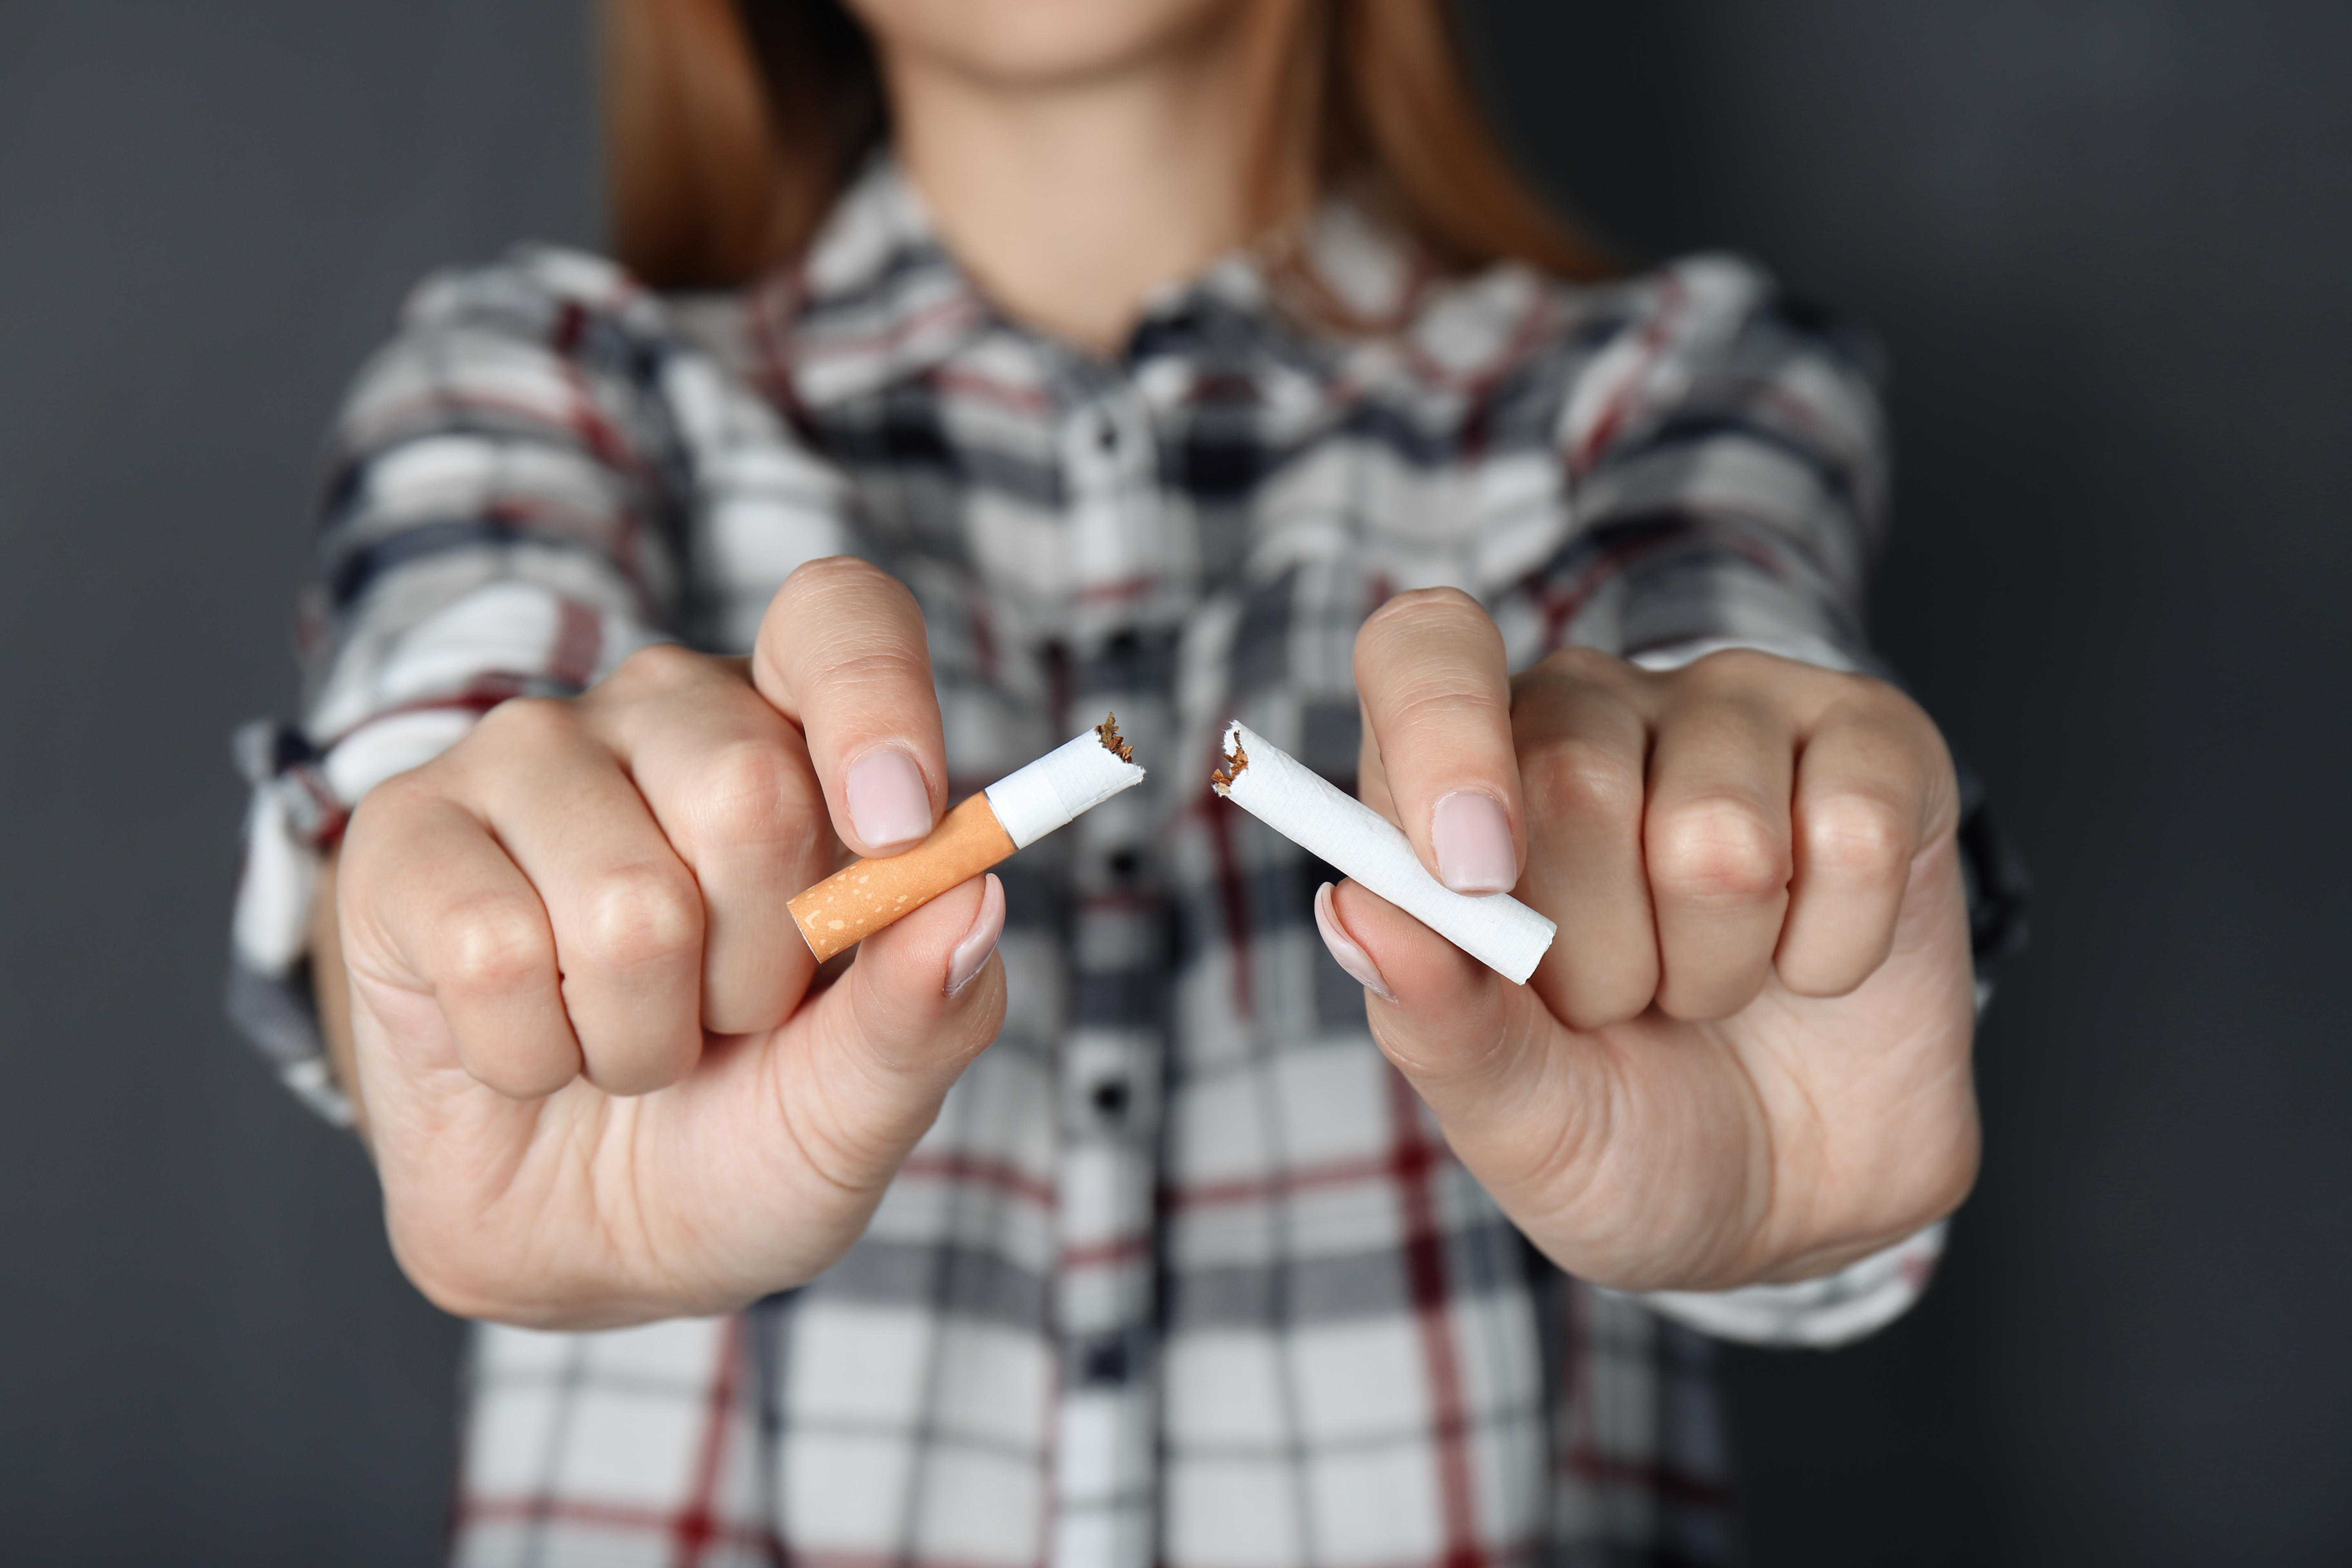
point(1870, 694)
point(755, 797)
point(493, 948)
point(1909, 727)
point(1720, 851)
point(1740, 668)
point(1749, 661)
point(1578, 775)
point(388, 813)
point(1871, 704)
point(523, 722)
point(639, 917)
point(1855, 837)
point(658, 667)
point(1579, 665)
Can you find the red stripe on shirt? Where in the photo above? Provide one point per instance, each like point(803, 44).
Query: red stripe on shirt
point(579, 644)
point(1651, 344)
point(1415, 1167)
point(697, 1528)
point(1008, 1179)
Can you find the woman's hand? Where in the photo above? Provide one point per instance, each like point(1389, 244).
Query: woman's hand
point(1746, 1055)
point(599, 1085)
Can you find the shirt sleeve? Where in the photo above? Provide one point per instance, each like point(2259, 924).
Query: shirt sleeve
point(1816, 1314)
point(1723, 461)
point(504, 515)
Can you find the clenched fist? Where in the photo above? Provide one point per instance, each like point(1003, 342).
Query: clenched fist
point(582, 1030)
point(1746, 1056)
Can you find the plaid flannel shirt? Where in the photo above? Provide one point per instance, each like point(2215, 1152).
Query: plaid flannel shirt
point(1185, 1273)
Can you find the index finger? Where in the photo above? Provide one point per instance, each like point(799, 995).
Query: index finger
point(1430, 673)
point(842, 654)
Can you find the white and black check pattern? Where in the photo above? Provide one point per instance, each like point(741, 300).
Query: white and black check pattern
point(1184, 1274)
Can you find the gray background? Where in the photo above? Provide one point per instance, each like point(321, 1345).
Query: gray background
point(2106, 244)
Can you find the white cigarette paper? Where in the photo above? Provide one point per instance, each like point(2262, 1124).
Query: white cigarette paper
point(1063, 785)
point(1012, 814)
point(1277, 789)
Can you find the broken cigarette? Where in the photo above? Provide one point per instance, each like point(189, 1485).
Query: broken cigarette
point(1277, 789)
point(1010, 813)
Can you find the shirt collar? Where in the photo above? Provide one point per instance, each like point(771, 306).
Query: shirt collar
point(878, 298)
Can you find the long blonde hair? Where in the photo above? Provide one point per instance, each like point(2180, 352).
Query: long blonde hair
point(731, 126)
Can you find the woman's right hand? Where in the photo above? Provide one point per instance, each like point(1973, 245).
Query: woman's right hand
point(598, 1084)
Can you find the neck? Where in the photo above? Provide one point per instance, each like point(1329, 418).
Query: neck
point(1073, 202)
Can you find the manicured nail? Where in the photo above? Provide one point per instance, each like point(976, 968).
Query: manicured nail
point(889, 805)
point(1344, 950)
point(1473, 840)
point(971, 953)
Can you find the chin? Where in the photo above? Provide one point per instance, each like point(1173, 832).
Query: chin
point(1040, 41)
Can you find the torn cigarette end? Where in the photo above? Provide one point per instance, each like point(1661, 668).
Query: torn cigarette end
point(1221, 778)
point(1010, 813)
point(1305, 808)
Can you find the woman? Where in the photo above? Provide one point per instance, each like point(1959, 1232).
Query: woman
point(1191, 359)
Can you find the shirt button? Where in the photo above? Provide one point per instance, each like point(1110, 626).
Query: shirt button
point(1110, 1099)
point(1106, 1361)
point(1123, 864)
point(1107, 434)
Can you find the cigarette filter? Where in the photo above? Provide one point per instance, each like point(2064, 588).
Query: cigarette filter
point(1010, 813)
point(1277, 789)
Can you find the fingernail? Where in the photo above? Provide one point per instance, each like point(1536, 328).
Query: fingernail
point(1344, 950)
point(1473, 840)
point(889, 805)
point(971, 953)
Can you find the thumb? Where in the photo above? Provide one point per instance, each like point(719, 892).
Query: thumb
point(886, 1041)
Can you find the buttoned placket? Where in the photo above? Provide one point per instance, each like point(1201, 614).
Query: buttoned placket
point(1106, 1485)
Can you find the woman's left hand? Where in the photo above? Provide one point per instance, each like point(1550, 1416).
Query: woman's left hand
point(1745, 1058)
